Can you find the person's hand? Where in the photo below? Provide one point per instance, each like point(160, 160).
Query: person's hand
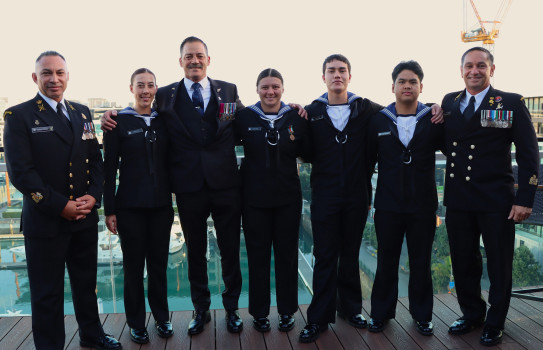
point(111, 223)
point(519, 213)
point(106, 122)
point(301, 111)
point(84, 205)
point(437, 114)
point(71, 213)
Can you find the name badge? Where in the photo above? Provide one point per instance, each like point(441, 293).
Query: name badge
point(227, 111)
point(386, 133)
point(135, 131)
point(320, 117)
point(42, 129)
point(497, 119)
point(255, 129)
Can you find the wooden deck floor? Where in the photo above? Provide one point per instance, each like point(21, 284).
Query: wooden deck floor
point(523, 330)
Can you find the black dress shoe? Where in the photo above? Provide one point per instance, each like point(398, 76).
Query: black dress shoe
point(491, 336)
point(286, 323)
point(234, 324)
point(310, 333)
point(103, 342)
point(376, 326)
point(164, 329)
point(463, 326)
point(425, 327)
point(200, 318)
point(261, 324)
point(139, 335)
point(357, 321)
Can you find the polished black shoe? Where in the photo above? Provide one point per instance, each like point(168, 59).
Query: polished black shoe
point(376, 326)
point(286, 323)
point(200, 318)
point(104, 342)
point(139, 335)
point(164, 329)
point(310, 333)
point(234, 324)
point(425, 327)
point(491, 336)
point(261, 324)
point(463, 326)
point(357, 321)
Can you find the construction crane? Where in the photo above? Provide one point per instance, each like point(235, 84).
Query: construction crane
point(485, 34)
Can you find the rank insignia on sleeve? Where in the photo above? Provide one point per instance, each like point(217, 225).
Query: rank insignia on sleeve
point(36, 197)
point(533, 180)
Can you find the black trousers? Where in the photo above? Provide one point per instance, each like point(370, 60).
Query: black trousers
point(225, 209)
point(264, 227)
point(465, 230)
point(145, 237)
point(419, 230)
point(46, 260)
point(338, 225)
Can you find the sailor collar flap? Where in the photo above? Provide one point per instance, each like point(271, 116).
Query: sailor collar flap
point(257, 108)
point(390, 112)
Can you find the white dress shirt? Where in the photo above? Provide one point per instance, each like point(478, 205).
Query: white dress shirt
point(54, 104)
point(205, 89)
point(478, 99)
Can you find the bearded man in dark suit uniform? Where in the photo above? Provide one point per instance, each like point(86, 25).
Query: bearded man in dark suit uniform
point(481, 123)
point(53, 158)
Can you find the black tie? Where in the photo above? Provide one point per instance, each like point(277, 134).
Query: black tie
point(197, 99)
point(62, 117)
point(470, 109)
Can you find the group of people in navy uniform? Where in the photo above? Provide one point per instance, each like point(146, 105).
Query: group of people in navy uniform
point(180, 139)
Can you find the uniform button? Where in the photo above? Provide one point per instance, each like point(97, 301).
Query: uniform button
point(71, 175)
point(71, 187)
point(88, 182)
point(88, 171)
point(472, 146)
point(86, 160)
point(452, 165)
point(453, 154)
point(71, 197)
point(467, 178)
point(452, 175)
point(70, 163)
point(455, 143)
point(470, 157)
point(469, 168)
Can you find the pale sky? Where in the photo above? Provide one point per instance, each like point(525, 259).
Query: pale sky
point(105, 41)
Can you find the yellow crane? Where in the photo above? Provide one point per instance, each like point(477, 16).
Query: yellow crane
point(482, 33)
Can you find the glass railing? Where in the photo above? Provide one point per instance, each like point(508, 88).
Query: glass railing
point(14, 289)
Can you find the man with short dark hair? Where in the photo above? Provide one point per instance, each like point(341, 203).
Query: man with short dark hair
point(403, 141)
point(480, 125)
point(54, 160)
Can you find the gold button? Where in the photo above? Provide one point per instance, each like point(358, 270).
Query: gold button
point(472, 146)
point(88, 182)
point(470, 157)
point(70, 163)
point(455, 143)
point(467, 178)
point(71, 187)
point(452, 165)
point(71, 197)
point(86, 160)
point(453, 154)
point(88, 171)
point(71, 175)
point(469, 168)
point(452, 175)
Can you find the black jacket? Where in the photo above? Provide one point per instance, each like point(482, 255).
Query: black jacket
point(479, 174)
point(406, 175)
point(269, 172)
point(49, 163)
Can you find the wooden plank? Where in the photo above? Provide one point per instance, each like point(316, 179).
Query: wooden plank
point(294, 334)
point(73, 343)
point(71, 330)
point(155, 341)
point(124, 337)
point(373, 340)
point(528, 310)
point(348, 335)
point(274, 339)
point(327, 339)
point(250, 338)
point(17, 335)
point(225, 339)
point(206, 339)
point(6, 324)
point(180, 339)
point(404, 319)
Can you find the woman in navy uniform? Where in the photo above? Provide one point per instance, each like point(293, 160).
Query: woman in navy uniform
point(272, 135)
point(141, 209)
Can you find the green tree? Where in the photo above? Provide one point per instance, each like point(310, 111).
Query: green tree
point(369, 235)
point(525, 268)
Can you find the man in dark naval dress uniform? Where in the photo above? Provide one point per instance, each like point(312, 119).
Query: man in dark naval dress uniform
point(480, 125)
point(403, 140)
point(53, 158)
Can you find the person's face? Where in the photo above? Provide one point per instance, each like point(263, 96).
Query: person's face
point(476, 71)
point(51, 76)
point(194, 61)
point(336, 76)
point(407, 87)
point(144, 89)
point(270, 90)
